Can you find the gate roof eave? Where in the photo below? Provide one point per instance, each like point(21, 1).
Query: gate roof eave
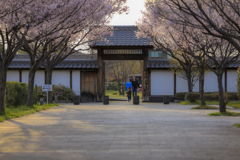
point(122, 47)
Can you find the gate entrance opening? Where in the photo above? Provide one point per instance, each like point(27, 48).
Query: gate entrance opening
point(123, 45)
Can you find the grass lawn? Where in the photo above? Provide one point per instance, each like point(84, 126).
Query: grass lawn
point(15, 112)
point(234, 104)
point(205, 107)
point(227, 113)
point(198, 103)
point(115, 94)
point(237, 125)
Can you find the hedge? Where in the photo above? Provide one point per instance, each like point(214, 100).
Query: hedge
point(193, 96)
point(16, 93)
point(63, 92)
point(209, 96)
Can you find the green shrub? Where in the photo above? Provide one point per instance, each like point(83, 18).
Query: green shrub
point(63, 92)
point(16, 94)
point(214, 96)
point(210, 96)
point(193, 96)
point(181, 95)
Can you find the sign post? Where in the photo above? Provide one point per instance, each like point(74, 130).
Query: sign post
point(47, 87)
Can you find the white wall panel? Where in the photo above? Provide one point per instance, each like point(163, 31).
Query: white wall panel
point(196, 87)
point(211, 82)
point(61, 77)
point(232, 80)
point(39, 78)
point(25, 76)
point(76, 82)
point(13, 76)
point(182, 85)
point(162, 82)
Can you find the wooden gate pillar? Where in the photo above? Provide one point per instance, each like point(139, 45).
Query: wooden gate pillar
point(145, 77)
point(100, 76)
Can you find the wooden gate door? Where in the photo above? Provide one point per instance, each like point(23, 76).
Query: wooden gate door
point(88, 86)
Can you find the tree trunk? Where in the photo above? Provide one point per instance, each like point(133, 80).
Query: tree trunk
point(222, 105)
point(49, 81)
point(3, 74)
point(31, 78)
point(189, 81)
point(201, 85)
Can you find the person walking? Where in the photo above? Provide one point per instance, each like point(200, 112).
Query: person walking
point(129, 93)
point(135, 86)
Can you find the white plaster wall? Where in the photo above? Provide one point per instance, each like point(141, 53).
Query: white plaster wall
point(61, 77)
point(232, 80)
point(13, 76)
point(76, 82)
point(182, 85)
point(25, 76)
point(211, 82)
point(39, 77)
point(162, 82)
point(196, 87)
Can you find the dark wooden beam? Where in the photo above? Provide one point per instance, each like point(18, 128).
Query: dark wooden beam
point(20, 75)
point(175, 84)
point(122, 47)
point(225, 81)
point(71, 79)
point(122, 57)
point(100, 76)
point(145, 76)
point(45, 77)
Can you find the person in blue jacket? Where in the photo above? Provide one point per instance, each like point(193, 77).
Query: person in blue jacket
point(135, 86)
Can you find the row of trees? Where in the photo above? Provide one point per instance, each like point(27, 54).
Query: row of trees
point(49, 31)
point(206, 32)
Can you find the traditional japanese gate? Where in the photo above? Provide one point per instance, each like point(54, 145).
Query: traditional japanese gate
point(123, 45)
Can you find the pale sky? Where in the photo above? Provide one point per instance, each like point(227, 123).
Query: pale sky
point(135, 7)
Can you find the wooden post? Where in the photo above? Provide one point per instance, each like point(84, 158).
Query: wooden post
point(103, 79)
point(100, 76)
point(20, 75)
point(175, 84)
point(225, 81)
point(145, 76)
point(71, 79)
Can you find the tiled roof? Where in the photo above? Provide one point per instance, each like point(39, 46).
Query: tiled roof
point(73, 56)
point(124, 36)
point(66, 64)
point(164, 63)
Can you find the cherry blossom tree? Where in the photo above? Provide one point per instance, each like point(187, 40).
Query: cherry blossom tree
point(77, 23)
point(167, 24)
point(18, 21)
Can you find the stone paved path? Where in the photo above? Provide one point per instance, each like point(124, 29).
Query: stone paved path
point(120, 131)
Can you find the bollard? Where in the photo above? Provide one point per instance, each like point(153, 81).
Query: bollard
point(76, 100)
point(41, 101)
point(135, 100)
point(106, 100)
point(166, 99)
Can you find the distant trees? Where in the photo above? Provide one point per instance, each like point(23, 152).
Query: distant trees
point(121, 71)
point(207, 31)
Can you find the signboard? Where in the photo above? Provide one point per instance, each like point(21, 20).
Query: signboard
point(47, 87)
